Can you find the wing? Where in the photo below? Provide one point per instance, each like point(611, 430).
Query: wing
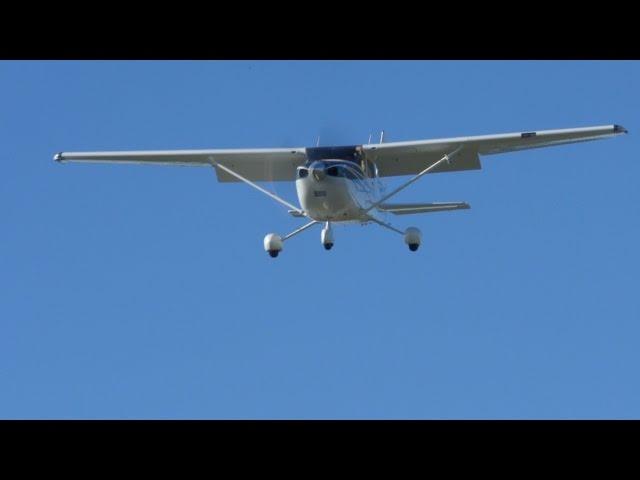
point(264, 164)
point(410, 208)
point(407, 158)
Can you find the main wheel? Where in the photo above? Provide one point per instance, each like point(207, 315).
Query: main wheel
point(327, 246)
point(273, 244)
point(413, 238)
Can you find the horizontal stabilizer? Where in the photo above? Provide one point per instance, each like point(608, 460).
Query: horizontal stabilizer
point(410, 208)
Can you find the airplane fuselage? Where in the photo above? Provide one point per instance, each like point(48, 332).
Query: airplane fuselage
point(336, 190)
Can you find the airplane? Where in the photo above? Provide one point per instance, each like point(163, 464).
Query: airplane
point(343, 184)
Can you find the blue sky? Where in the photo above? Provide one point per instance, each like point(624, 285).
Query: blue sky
point(144, 292)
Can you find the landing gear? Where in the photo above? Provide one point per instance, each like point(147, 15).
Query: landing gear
point(412, 237)
point(273, 244)
point(326, 236)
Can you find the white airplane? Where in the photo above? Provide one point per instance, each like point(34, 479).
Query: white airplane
point(342, 184)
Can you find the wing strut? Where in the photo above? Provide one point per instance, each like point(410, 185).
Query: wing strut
point(296, 211)
point(446, 158)
point(386, 225)
point(302, 228)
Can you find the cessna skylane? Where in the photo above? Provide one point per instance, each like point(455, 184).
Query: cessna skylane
point(343, 184)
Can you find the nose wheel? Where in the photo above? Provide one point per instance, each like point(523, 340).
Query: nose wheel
point(326, 236)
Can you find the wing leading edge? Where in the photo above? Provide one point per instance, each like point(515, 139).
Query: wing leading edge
point(263, 164)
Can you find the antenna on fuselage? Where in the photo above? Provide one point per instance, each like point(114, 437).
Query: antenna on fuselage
point(318, 141)
point(382, 136)
point(369, 142)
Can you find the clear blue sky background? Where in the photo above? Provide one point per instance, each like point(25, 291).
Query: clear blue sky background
point(144, 292)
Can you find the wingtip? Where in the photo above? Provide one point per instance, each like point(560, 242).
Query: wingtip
point(619, 129)
point(58, 157)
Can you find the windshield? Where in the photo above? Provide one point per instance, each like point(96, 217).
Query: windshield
point(349, 153)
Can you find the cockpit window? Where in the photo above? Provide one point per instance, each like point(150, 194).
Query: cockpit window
point(349, 174)
point(333, 171)
point(371, 169)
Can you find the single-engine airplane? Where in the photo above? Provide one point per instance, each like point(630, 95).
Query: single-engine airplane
point(342, 184)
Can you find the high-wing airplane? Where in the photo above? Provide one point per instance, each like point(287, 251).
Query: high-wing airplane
point(343, 184)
